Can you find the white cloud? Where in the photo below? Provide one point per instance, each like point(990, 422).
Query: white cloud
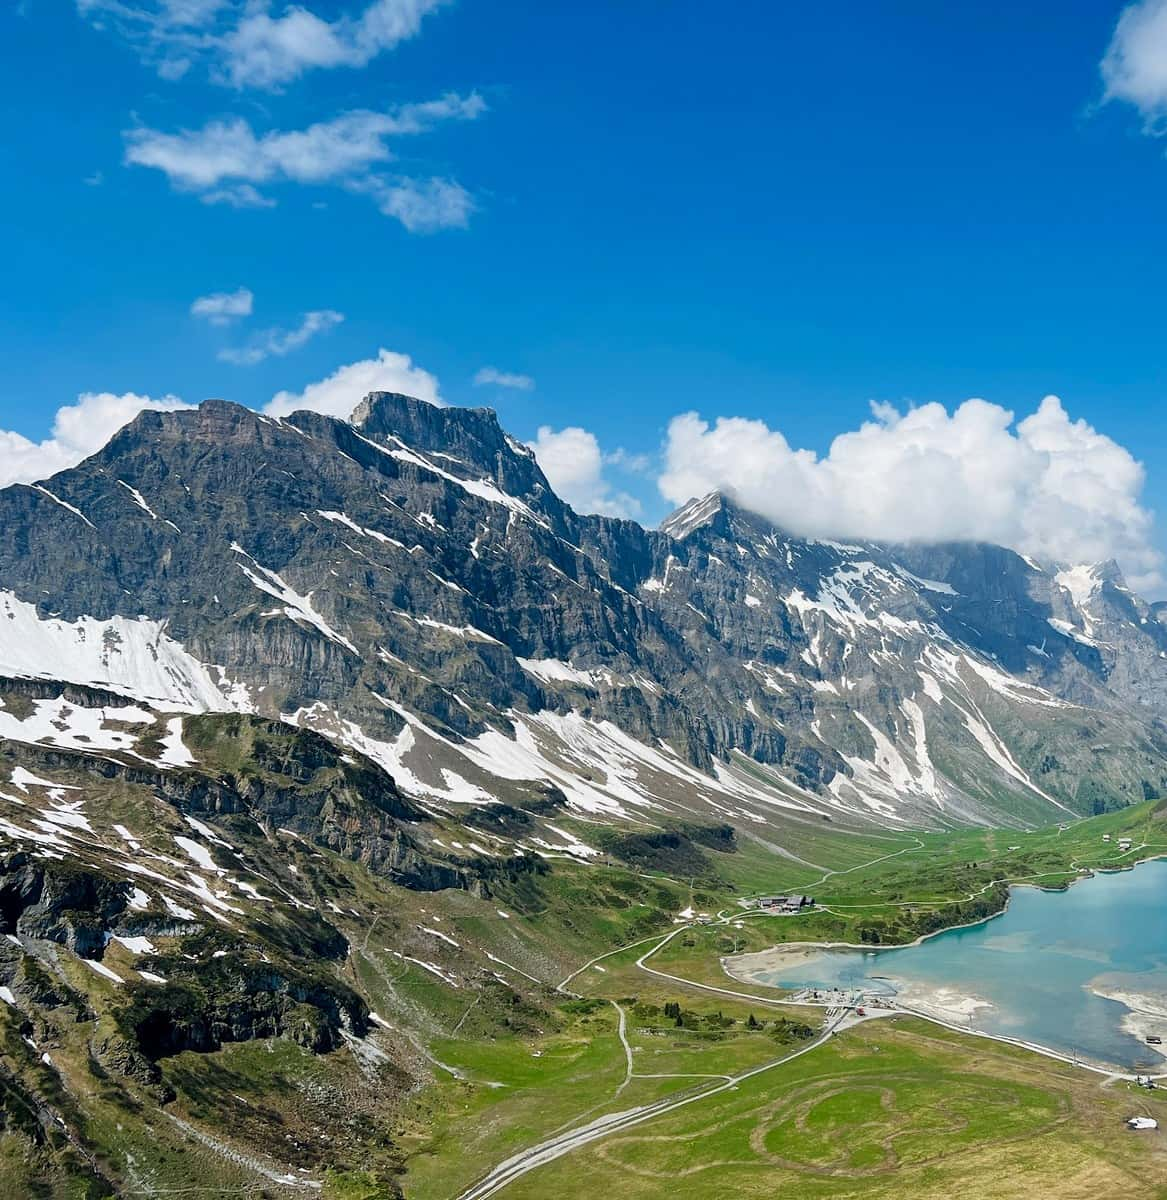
point(492, 376)
point(238, 195)
point(275, 343)
point(421, 205)
point(168, 34)
point(574, 465)
point(245, 46)
point(1134, 67)
point(1050, 487)
point(266, 52)
point(636, 463)
point(221, 308)
point(191, 13)
point(79, 430)
point(195, 159)
point(225, 159)
point(345, 388)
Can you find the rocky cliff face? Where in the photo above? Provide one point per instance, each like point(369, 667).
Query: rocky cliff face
point(408, 584)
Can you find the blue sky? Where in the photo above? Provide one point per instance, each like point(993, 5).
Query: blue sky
point(774, 212)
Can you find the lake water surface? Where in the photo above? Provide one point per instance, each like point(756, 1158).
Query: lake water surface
point(1046, 967)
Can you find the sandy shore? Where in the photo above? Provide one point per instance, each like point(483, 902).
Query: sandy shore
point(747, 967)
point(939, 1001)
point(1146, 1013)
point(944, 1003)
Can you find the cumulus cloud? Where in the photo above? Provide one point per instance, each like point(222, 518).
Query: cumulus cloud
point(79, 430)
point(223, 161)
point(221, 308)
point(245, 46)
point(275, 343)
point(1048, 486)
point(421, 205)
point(224, 150)
point(339, 393)
point(1134, 67)
point(574, 465)
point(493, 377)
point(266, 52)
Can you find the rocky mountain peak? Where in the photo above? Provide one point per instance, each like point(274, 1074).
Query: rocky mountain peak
point(698, 513)
point(216, 422)
point(469, 441)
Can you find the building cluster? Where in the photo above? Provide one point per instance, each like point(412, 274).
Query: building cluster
point(785, 904)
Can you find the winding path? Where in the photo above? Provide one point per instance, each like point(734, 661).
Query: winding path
point(564, 1143)
point(556, 1147)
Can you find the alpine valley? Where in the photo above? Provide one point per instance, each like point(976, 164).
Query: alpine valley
point(334, 754)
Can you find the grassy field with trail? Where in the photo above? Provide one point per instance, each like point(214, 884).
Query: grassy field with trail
point(895, 1106)
point(885, 1110)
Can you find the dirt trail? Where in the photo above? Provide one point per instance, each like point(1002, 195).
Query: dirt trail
point(556, 1147)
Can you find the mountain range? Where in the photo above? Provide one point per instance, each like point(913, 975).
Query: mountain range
point(279, 696)
point(408, 584)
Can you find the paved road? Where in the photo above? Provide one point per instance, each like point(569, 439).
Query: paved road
point(564, 1143)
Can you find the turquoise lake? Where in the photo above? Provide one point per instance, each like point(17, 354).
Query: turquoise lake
point(1040, 966)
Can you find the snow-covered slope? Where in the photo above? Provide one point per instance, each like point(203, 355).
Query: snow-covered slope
point(127, 654)
point(409, 585)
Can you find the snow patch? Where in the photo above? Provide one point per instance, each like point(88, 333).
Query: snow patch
point(139, 500)
point(930, 585)
point(124, 654)
point(296, 607)
point(1081, 582)
point(174, 752)
point(1068, 630)
point(136, 945)
point(198, 854)
point(102, 969)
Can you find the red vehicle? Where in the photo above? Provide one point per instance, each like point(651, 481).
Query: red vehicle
point(861, 1011)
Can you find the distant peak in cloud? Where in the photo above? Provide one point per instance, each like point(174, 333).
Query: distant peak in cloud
point(221, 308)
point(493, 377)
point(83, 428)
point(1048, 486)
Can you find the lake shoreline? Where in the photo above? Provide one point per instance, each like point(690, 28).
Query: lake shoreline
point(953, 1006)
point(1145, 1016)
point(878, 946)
